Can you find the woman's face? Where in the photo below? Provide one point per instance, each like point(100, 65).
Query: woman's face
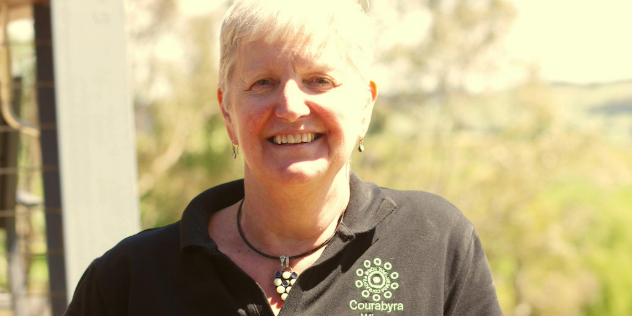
point(296, 115)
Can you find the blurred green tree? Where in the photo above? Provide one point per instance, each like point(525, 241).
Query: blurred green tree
point(509, 160)
point(182, 144)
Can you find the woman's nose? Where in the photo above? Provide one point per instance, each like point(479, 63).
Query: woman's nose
point(292, 102)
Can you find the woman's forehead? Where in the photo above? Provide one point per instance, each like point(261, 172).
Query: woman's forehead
point(306, 54)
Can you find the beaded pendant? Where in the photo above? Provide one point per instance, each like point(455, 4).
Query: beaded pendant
point(284, 279)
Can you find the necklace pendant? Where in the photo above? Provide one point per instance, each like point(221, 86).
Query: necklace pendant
point(285, 262)
point(285, 278)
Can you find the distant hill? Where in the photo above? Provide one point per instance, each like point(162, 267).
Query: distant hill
point(606, 106)
point(615, 108)
point(608, 98)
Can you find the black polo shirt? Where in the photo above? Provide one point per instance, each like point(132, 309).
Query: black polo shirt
point(397, 253)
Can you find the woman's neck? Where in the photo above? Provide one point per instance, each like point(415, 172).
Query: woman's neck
point(287, 221)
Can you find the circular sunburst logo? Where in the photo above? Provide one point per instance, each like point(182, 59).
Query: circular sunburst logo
point(376, 280)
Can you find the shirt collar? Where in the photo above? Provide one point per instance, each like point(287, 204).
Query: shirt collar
point(366, 209)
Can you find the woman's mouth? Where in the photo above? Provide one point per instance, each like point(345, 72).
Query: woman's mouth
point(294, 138)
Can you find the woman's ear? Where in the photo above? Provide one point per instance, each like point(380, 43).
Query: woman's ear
point(228, 122)
point(368, 109)
point(373, 88)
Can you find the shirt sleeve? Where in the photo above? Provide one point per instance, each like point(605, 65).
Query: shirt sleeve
point(472, 291)
point(88, 298)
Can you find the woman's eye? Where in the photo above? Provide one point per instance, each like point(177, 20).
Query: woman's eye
point(323, 83)
point(262, 82)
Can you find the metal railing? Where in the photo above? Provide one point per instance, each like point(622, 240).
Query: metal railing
point(24, 257)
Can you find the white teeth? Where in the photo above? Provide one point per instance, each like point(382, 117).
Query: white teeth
point(294, 139)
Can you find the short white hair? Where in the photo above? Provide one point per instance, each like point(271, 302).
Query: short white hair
point(302, 22)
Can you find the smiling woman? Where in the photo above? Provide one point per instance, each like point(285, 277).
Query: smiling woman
point(300, 234)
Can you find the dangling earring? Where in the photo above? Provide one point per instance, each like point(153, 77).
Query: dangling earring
point(360, 146)
point(234, 151)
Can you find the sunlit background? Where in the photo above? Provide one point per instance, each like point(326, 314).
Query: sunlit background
point(519, 112)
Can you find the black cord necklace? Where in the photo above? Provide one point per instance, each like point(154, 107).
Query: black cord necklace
point(285, 278)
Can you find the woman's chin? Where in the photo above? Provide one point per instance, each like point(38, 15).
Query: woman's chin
point(308, 164)
point(298, 173)
point(302, 173)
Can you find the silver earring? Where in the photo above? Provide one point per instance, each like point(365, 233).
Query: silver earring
point(360, 146)
point(234, 151)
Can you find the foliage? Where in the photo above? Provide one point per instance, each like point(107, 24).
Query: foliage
point(182, 146)
point(549, 203)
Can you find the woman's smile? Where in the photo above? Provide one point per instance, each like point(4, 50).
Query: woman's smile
point(294, 139)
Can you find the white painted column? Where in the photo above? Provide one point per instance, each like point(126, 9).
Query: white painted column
point(96, 130)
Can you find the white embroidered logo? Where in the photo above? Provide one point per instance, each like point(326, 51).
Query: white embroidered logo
point(377, 280)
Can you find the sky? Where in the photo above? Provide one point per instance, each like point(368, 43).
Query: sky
point(578, 41)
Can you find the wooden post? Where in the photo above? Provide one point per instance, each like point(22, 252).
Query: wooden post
point(94, 131)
